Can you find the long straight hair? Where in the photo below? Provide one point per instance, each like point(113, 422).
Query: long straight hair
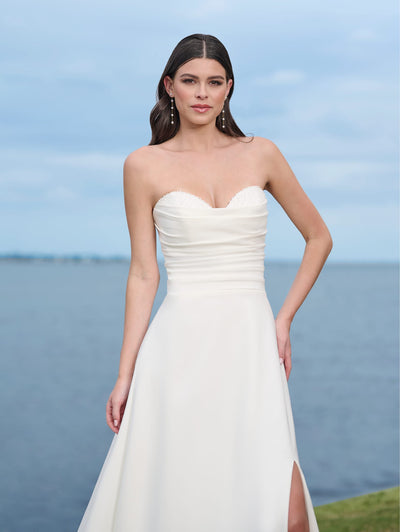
point(194, 46)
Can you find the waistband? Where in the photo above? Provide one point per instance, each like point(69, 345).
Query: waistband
point(191, 286)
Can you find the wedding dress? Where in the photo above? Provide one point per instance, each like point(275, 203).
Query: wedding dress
point(207, 440)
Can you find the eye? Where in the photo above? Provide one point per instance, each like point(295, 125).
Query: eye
point(187, 80)
point(216, 82)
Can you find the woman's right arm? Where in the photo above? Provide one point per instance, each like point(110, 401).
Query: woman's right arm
point(143, 280)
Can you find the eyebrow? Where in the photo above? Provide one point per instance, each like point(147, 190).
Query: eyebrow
point(196, 77)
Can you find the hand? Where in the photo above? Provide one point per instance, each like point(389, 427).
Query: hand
point(283, 340)
point(116, 404)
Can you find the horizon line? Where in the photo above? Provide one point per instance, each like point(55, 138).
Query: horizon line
point(94, 257)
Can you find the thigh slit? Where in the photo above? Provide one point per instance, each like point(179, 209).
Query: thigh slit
point(297, 515)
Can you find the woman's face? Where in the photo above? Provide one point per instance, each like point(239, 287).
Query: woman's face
point(199, 88)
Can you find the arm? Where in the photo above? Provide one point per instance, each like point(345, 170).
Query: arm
point(142, 284)
point(285, 188)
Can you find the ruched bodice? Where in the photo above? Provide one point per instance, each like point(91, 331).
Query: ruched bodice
point(213, 248)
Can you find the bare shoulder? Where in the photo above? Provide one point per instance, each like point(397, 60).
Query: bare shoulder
point(263, 155)
point(141, 160)
point(264, 147)
point(141, 168)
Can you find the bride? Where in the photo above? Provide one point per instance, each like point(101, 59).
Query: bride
point(199, 155)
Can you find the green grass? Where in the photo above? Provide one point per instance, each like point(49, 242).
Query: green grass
point(375, 512)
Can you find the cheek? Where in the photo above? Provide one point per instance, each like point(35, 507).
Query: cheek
point(184, 93)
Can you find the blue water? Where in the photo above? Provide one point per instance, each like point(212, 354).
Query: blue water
point(61, 331)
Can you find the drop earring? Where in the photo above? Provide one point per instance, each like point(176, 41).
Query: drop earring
point(223, 117)
point(172, 107)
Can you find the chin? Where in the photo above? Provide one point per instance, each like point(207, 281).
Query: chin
point(202, 122)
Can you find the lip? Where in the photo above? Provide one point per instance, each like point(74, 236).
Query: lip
point(201, 108)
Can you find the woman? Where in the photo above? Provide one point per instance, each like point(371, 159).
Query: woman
point(201, 410)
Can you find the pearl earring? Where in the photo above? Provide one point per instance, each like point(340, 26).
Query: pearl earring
point(223, 116)
point(172, 111)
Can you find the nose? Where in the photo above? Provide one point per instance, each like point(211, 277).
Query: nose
point(201, 91)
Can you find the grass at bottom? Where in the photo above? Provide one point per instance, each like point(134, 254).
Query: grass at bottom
point(374, 512)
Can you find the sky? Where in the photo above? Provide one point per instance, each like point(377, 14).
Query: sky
point(78, 81)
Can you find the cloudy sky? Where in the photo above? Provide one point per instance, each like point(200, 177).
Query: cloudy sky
point(78, 80)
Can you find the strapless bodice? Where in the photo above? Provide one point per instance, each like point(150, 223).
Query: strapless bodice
point(209, 248)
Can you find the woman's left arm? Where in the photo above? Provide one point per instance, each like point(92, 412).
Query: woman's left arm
point(286, 189)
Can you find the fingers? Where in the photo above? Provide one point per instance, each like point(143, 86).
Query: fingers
point(288, 367)
point(285, 360)
point(116, 418)
point(285, 355)
point(109, 415)
point(113, 416)
point(116, 405)
point(281, 351)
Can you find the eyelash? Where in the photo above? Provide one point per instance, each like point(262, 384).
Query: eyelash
point(213, 82)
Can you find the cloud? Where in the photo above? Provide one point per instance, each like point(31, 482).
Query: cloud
point(355, 176)
point(60, 193)
point(32, 177)
point(93, 161)
point(363, 35)
point(333, 117)
point(281, 77)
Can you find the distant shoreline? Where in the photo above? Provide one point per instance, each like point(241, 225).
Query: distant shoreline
point(76, 257)
point(62, 258)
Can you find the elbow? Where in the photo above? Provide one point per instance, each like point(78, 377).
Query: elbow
point(323, 240)
point(145, 274)
point(148, 277)
point(328, 242)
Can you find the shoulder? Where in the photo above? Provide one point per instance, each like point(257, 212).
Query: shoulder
point(264, 146)
point(143, 163)
point(264, 151)
point(137, 172)
point(270, 156)
point(140, 158)
point(259, 146)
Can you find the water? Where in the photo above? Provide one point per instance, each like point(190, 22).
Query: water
point(61, 332)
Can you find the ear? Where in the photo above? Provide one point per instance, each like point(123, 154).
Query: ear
point(169, 85)
point(228, 87)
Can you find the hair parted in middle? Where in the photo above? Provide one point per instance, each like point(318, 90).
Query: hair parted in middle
point(194, 46)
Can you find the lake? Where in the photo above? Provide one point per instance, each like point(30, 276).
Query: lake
point(61, 332)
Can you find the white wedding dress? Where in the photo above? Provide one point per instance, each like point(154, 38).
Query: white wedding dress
point(207, 441)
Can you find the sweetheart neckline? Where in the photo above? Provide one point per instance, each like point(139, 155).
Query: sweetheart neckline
point(203, 200)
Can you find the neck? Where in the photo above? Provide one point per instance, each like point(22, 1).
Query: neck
point(199, 138)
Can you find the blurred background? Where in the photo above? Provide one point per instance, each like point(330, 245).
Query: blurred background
point(77, 83)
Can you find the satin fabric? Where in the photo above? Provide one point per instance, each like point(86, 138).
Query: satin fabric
point(207, 441)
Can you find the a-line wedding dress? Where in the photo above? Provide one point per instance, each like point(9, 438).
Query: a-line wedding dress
point(207, 440)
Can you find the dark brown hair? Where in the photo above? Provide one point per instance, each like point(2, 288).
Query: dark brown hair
point(192, 47)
